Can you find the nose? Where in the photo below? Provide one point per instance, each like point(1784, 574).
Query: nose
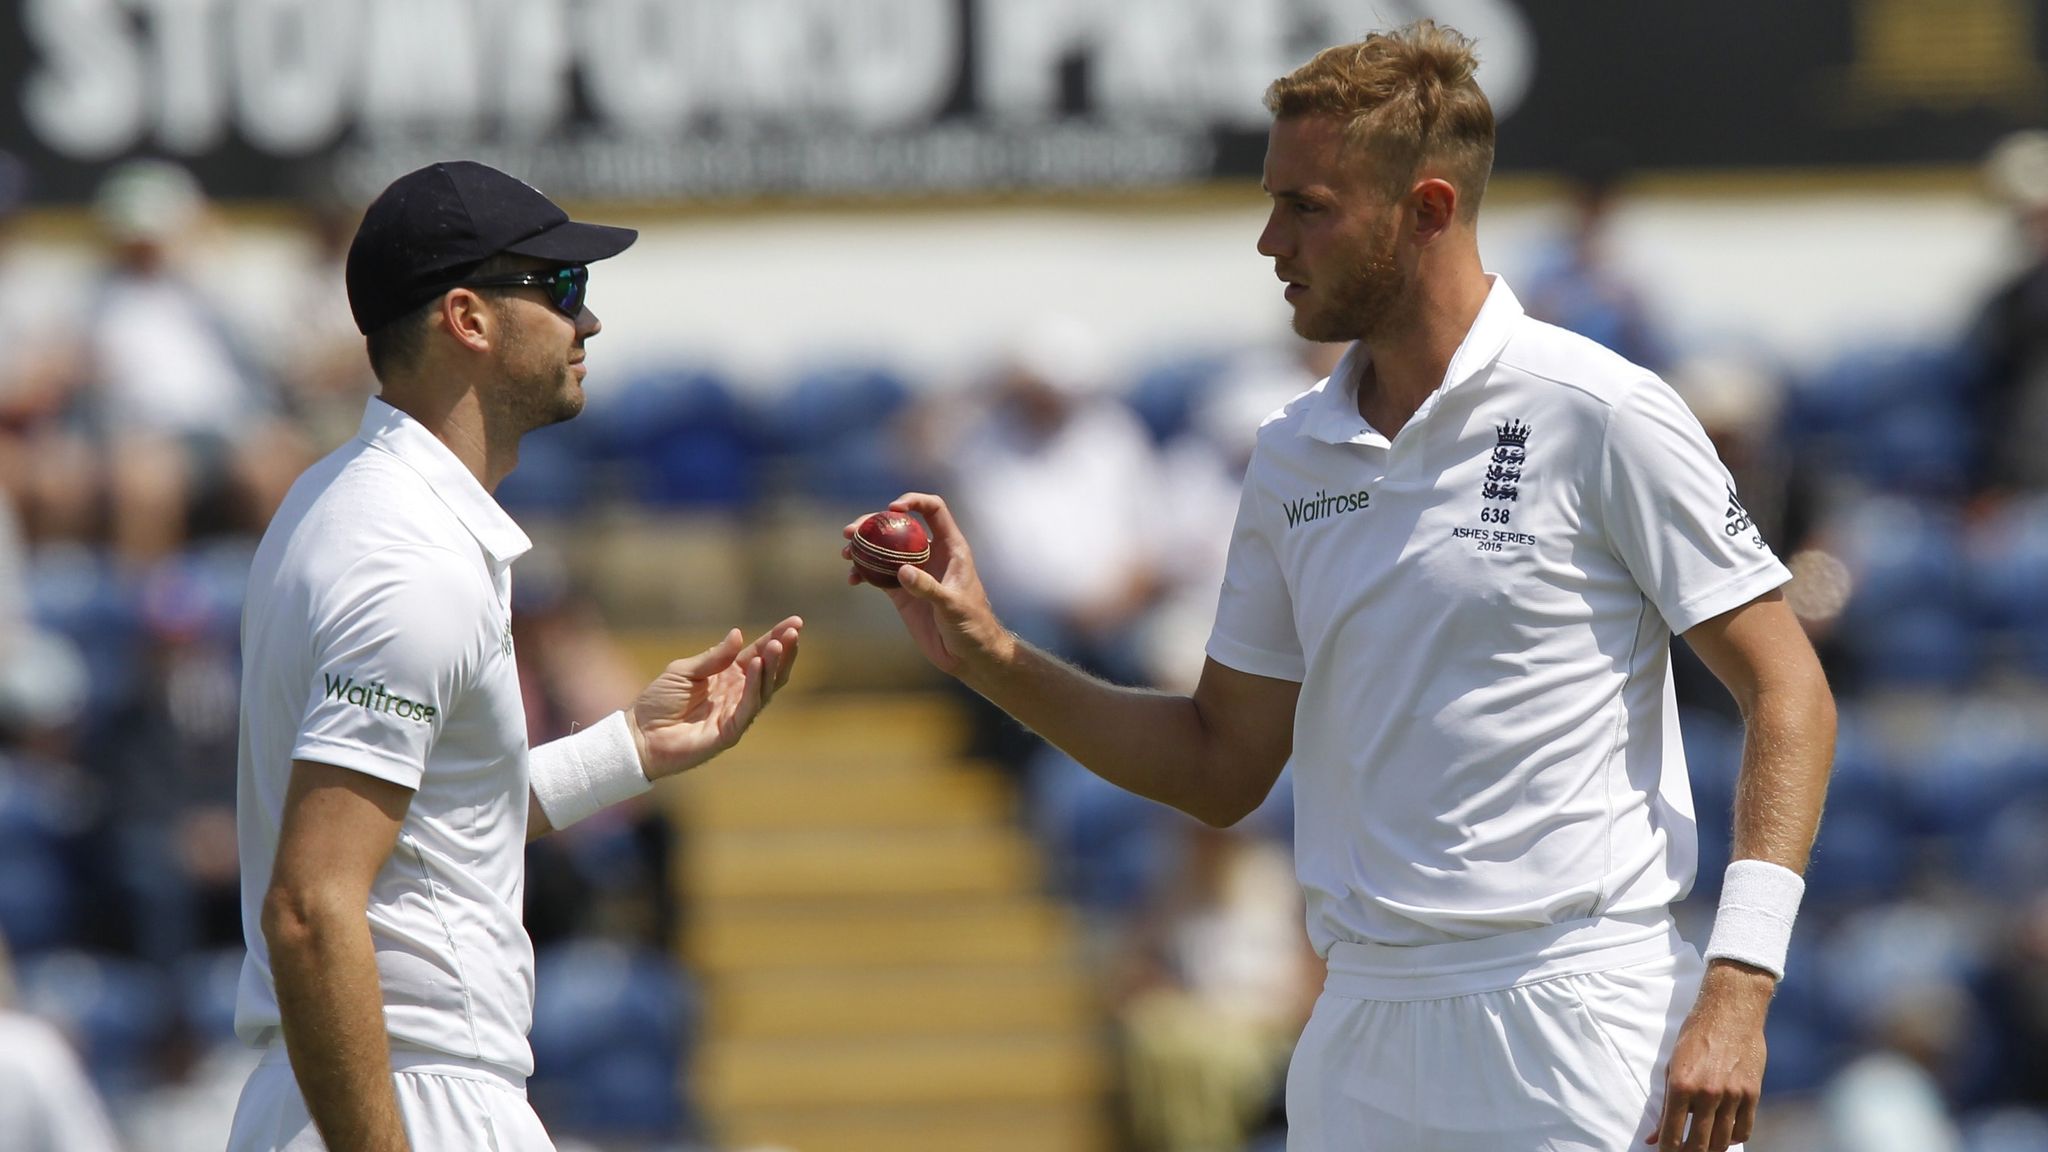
point(587, 324)
point(1271, 242)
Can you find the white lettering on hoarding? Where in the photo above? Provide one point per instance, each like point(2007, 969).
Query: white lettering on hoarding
point(293, 77)
point(86, 100)
point(421, 71)
point(644, 84)
point(191, 87)
point(531, 88)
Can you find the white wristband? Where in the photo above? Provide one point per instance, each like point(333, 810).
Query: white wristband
point(1759, 901)
point(585, 771)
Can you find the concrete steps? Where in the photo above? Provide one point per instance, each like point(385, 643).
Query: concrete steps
point(863, 1002)
point(955, 1128)
point(881, 970)
point(778, 935)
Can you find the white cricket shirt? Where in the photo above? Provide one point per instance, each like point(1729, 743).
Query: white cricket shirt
point(377, 638)
point(1480, 614)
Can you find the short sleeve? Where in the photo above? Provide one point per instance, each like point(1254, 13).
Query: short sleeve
point(1672, 514)
point(394, 642)
point(1254, 629)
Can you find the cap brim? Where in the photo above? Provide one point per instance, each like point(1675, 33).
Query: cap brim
point(576, 243)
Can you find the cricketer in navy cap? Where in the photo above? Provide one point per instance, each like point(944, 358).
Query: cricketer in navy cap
point(433, 227)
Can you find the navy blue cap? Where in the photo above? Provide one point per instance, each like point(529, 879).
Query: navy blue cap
point(431, 228)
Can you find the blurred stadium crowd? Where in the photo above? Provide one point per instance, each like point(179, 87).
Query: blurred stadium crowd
point(144, 440)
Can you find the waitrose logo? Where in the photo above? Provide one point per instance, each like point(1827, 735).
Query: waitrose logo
point(1322, 505)
point(376, 699)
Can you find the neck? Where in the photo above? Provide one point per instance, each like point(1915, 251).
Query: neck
point(456, 418)
point(1411, 358)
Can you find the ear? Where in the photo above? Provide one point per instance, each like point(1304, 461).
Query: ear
point(1435, 201)
point(468, 319)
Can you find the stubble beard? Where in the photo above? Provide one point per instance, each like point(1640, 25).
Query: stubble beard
point(540, 389)
point(1365, 300)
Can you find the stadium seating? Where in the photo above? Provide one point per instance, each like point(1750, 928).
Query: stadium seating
point(611, 1027)
point(38, 886)
point(1165, 393)
point(555, 476)
point(1907, 623)
point(675, 438)
point(117, 1010)
point(835, 437)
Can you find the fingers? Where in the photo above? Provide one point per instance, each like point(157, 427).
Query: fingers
point(786, 632)
point(919, 583)
point(1703, 1112)
point(777, 655)
point(947, 541)
point(933, 508)
point(785, 664)
point(755, 669)
point(773, 653)
point(1745, 1119)
point(1704, 1123)
point(712, 659)
point(1670, 1133)
point(1724, 1128)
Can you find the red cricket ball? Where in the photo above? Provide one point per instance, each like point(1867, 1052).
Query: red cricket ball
point(884, 542)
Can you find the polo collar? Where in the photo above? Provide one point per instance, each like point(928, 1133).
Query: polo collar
point(389, 430)
point(1335, 419)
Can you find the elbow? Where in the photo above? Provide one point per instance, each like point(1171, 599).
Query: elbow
point(291, 919)
point(1220, 816)
point(1231, 784)
point(1817, 703)
point(1801, 697)
point(1228, 806)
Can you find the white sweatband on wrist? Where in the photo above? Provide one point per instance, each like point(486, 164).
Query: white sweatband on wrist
point(585, 771)
point(1759, 901)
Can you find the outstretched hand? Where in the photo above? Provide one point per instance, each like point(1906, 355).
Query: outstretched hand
point(942, 603)
point(700, 705)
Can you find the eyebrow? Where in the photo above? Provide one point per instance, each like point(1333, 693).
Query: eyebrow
point(1310, 196)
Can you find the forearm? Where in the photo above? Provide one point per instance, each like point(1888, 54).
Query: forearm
point(325, 971)
point(580, 774)
point(1786, 756)
point(1157, 745)
point(537, 823)
point(1788, 748)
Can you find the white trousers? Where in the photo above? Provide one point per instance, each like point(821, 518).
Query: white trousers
point(1551, 1040)
point(447, 1104)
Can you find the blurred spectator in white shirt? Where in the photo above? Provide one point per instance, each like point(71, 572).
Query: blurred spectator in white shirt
point(1890, 1099)
point(46, 1102)
point(315, 352)
point(179, 414)
point(1219, 985)
point(48, 475)
point(1059, 484)
point(1204, 470)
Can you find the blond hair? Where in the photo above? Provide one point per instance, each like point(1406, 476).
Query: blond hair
point(1407, 98)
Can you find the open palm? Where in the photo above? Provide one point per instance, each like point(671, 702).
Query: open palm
point(700, 705)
